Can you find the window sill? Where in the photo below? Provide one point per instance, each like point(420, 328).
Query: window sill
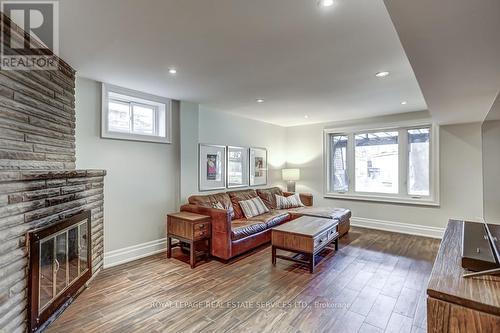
point(135, 137)
point(375, 198)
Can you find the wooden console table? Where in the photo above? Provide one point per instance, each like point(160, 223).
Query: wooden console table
point(189, 228)
point(457, 304)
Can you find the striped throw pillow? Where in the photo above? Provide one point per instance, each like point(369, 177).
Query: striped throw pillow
point(253, 207)
point(219, 205)
point(292, 201)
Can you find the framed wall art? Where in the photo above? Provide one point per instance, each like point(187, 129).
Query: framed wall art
point(237, 167)
point(212, 167)
point(258, 166)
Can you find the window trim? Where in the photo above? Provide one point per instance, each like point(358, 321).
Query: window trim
point(432, 200)
point(136, 98)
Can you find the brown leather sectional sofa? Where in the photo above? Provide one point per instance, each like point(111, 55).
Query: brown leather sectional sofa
point(233, 234)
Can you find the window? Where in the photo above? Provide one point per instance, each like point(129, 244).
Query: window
point(339, 155)
point(394, 164)
point(419, 161)
point(144, 119)
point(376, 161)
point(132, 115)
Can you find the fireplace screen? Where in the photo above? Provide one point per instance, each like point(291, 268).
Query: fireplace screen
point(60, 264)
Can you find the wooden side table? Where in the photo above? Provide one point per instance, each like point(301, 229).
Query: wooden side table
point(189, 228)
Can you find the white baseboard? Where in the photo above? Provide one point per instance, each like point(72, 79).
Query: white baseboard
point(121, 256)
point(403, 228)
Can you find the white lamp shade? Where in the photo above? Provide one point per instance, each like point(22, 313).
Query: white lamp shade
point(290, 174)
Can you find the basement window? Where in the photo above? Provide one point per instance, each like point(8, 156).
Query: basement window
point(133, 115)
point(396, 163)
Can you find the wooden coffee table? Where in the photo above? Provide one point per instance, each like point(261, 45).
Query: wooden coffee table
point(306, 237)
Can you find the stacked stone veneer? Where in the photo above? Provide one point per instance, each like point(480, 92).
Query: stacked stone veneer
point(37, 117)
point(39, 185)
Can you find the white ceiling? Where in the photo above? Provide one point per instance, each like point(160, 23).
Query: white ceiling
point(302, 59)
point(454, 48)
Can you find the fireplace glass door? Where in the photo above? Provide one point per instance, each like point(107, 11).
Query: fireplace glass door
point(60, 264)
point(63, 259)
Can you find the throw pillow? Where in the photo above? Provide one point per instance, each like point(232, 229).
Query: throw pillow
point(253, 207)
point(219, 205)
point(268, 195)
point(292, 201)
point(237, 196)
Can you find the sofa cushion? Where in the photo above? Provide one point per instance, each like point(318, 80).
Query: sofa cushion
point(236, 197)
point(242, 228)
point(268, 195)
point(291, 201)
point(211, 201)
point(273, 218)
point(341, 214)
point(253, 207)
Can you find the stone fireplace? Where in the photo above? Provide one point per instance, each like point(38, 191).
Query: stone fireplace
point(39, 183)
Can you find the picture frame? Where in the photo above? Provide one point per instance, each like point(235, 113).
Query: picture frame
point(237, 167)
point(211, 167)
point(258, 166)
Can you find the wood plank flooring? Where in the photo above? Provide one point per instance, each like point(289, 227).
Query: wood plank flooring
point(375, 283)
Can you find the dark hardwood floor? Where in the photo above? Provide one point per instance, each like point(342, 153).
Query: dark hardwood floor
point(375, 282)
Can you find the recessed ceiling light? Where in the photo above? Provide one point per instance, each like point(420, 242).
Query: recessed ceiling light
point(325, 3)
point(404, 102)
point(306, 116)
point(172, 71)
point(260, 100)
point(382, 74)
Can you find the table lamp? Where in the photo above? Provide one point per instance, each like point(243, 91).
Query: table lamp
point(290, 176)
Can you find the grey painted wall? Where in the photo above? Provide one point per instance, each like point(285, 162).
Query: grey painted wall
point(225, 129)
point(142, 184)
point(189, 123)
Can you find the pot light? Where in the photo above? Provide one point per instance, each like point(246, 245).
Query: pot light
point(306, 116)
point(172, 71)
point(382, 74)
point(260, 100)
point(404, 102)
point(325, 3)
